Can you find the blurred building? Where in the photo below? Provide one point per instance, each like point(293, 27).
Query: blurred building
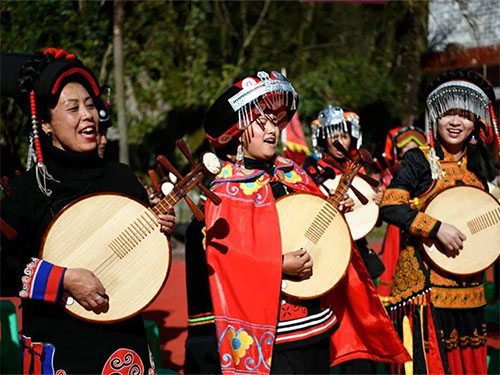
point(464, 35)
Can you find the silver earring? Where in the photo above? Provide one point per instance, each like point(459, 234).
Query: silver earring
point(239, 154)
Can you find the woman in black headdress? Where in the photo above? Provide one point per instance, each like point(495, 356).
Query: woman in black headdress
point(441, 316)
point(239, 321)
point(59, 93)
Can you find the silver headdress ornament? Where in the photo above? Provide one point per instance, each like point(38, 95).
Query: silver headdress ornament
point(270, 92)
point(333, 121)
point(353, 118)
point(457, 94)
point(452, 95)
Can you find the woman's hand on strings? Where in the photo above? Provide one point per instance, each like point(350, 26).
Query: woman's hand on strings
point(298, 263)
point(451, 238)
point(86, 289)
point(346, 204)
point(167, 222)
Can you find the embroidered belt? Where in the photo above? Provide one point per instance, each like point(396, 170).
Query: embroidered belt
point(458, 298)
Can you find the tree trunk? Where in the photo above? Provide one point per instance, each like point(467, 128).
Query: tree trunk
point(411, 37)
point(118, 16)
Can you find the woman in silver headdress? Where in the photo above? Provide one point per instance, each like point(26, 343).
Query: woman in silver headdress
point(441, 316)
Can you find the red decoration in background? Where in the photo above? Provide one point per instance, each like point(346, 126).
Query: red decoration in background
point(294, 141)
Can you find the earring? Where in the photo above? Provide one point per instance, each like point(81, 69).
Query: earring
point(239, 155)
point(473, 140)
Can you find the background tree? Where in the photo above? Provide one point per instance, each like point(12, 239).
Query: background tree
point(179, 56)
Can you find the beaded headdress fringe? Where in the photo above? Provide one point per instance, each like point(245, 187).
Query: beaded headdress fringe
point(256, 96)
point(456, 94)
point(332, 122)
point(41, 172)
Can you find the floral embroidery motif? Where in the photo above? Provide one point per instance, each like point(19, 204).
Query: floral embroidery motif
point(441, 280)
point(409, 278)
point(244, 348)
point(123, 362)
point(453, 171)
point(458, 298)
point(240, 342)
point(291, 177)
point(395, 197)
point(422, 225)
point(251, 187)
point(226, 171)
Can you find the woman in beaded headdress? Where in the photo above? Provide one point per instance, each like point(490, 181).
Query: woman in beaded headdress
point(333, 124)
point(60, 94)
point(439, 315)
point(337, 124)
point(238, 319)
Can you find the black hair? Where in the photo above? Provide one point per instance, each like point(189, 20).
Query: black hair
point(478, 160)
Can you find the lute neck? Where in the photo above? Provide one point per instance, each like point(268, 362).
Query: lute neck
point(179, 191)
point(343, 186)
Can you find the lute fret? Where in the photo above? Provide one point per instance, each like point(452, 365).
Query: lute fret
point(484, 221)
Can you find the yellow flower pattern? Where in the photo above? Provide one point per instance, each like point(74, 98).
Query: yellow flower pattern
point(251, 187)
point(292, 177)
point(240, 342)
point(226, 171)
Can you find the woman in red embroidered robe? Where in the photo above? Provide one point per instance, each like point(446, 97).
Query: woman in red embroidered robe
point(440, 316)
point(257, 329)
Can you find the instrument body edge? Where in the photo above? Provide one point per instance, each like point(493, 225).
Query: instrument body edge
point(86, 227)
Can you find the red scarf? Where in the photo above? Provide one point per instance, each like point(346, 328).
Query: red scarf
point(365, 329)
point(243, 244)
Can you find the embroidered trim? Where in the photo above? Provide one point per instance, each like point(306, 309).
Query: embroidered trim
point(475, 341)
point(458, 298)
point(27, 278)
point(441, 280)
point(42, 280)
point(409, 279)
point(243, 342)
point(422, 225)
point(200, 319)
point(395, 197)
point(310, 332)
point(453, 171)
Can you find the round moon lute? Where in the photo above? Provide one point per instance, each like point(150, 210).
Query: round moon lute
point(477, 214)
point(118, 238)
